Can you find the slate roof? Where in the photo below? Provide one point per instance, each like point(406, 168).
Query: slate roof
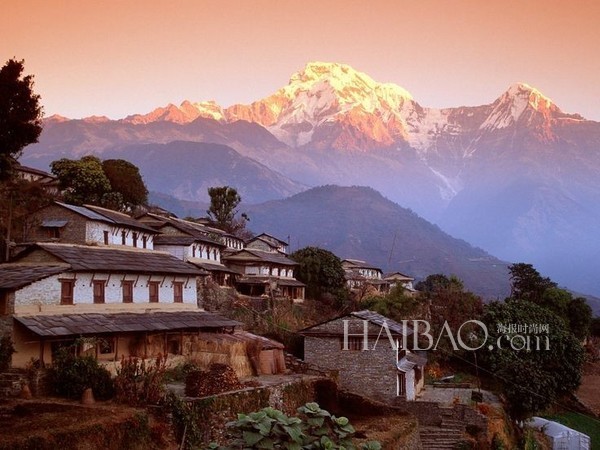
point(269, 237)
point(358, 264)
point(192, 229)
point(121, 218)
point(16, 276)
point(378, 319)
point(84, 258)
point(251, 255)
point(99, 323)
point(212, 267)
point(170, 239)
point(370, 316)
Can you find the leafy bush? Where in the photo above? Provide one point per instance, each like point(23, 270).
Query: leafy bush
point(314, 428)
point(71, 375)
point(139, 382)
point(6, 350)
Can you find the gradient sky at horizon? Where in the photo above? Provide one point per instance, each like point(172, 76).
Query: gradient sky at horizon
point(117, 58)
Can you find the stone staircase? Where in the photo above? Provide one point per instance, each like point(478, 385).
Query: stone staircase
point(448, 435)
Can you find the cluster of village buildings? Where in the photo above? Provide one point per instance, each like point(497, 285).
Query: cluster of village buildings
point(129, 287)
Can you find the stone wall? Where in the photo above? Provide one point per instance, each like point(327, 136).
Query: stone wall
point(74, 231)
point(371, 372)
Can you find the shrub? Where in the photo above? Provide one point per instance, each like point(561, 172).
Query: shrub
point(139, 382)
point(71, 375)
point(6, 351)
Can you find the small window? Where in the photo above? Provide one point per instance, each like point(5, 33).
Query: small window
point(99, 291)
point(135, 238)
point(66, 292)
point(355, 343)
point(105, 237)
point(178, 292)
point(144, 241)
point(127, 291)
point(106, 346)
point(153, 287)
point(123, 237)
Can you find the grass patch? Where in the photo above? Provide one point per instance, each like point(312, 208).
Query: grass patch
point(580, 422)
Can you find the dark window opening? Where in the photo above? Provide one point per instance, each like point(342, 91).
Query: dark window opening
point(127, 291)
point(66, 292)
point(106, 346)
point(3, 303)
point(153, 287)
point(123, 237)
point(135, 238)
point(99, 291)
point(105, 237)
point(144, 241)
point(354, 343)
point(178, 292)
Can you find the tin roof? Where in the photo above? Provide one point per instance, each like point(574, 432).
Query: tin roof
point(99, 323)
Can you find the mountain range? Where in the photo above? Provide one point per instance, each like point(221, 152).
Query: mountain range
point(517, 177)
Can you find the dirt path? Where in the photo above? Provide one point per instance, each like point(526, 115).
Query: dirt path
point(589, 391)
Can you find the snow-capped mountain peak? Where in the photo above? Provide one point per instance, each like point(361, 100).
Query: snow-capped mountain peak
point(515, 102)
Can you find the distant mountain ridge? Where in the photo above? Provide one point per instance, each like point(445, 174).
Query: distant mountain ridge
point(518, 176)
point(358, 222)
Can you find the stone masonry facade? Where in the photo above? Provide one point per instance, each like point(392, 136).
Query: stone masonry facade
point(371, 373)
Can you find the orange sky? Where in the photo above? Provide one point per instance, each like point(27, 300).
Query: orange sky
point(116, 58)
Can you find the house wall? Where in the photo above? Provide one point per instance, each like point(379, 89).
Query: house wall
point(74, 231)
point(182, 252)
point(40, 295)
point(95, 234)
point(372, 373)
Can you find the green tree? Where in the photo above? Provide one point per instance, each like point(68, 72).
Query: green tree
point(580, 317)
point(397, 304)
point(20, 114)
point(527, 283)
point(222, 211)
point(322, 272)
point(532, 377)
point(82, 181)
point(114, 183)
point(125, 178)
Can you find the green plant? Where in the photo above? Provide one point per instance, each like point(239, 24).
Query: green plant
point(71, 375)
point(6, 350)
point(185, 421)
point(314, 428)
point(139, 382)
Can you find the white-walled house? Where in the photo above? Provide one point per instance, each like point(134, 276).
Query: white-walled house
point(140, 302)
point(267, 243)
point(360, 274)
point(201, 251)
point(263, 272)
point(61, 222)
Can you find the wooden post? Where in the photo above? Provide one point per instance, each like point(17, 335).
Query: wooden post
point(116, 348)
point(41, 352)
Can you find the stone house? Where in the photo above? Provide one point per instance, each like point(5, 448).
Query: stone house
point(265, 273)
point(61, 222)
point(399, 279)
point(48, 181)
point(267, 243)
point(369, 360)
point(360, 274)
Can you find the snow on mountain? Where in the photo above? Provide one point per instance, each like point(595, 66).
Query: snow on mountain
point(185, 113)
point(515, 102)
